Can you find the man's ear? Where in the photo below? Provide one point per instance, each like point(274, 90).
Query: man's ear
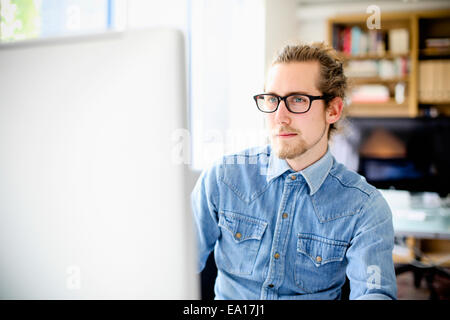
point(334, 110)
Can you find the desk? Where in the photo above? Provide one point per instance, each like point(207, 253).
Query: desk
point(420, 215)
point(429, 224)
point(424, 220)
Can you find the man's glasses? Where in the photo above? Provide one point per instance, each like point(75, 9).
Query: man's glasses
point(295, 103)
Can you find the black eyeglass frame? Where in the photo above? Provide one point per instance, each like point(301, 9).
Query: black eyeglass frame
point(311, 99)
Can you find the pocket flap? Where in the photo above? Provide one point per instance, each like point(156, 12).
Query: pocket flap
point(321, 250)
point(242, 227)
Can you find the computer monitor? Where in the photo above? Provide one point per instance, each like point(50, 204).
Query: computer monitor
point(404, 153)
point(92, 203)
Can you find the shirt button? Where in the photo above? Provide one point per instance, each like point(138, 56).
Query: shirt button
point(276, 255)
point(285, 215)
point(238, 235)
point(293, 177)
point(318, 259)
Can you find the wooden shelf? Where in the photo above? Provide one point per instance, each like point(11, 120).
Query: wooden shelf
point(412, 21)
point(363, 80)
point(387, 56)
point(435, 52)
point(378, 109)
point(437, 102)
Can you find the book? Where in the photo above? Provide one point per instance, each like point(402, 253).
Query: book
point(437, 43)
point(355, 40)
point(363, 43)
point(446, 72)
point(361, 68)
point(398, 41)
point(347, 43)
point(372, 42)
point(434, 81)
point(370, 93)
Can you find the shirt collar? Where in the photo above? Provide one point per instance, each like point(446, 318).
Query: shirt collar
point(314, 175)
point(276, 166)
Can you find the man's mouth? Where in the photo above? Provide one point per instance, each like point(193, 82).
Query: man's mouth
point(286, 135)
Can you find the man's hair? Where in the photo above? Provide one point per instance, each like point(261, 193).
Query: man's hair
point(332, 81)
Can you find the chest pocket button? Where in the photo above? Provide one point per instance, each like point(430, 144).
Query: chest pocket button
point(239, 243)
point(319, 263)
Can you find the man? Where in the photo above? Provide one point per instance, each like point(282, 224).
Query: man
point(286, 221)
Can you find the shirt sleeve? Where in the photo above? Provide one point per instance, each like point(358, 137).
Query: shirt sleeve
point(204, 207)
point(370, 268)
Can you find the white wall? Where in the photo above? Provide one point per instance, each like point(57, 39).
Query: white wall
point(145, 13)
point(281, 26)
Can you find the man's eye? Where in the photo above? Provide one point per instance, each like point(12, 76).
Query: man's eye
point(299, 99)
point(273, 100)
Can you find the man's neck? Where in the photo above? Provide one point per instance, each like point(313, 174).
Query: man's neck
point(309, 157)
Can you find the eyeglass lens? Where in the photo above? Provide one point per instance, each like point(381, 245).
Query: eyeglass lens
point(297, 103)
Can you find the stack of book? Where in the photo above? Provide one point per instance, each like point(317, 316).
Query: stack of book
point(361, 68)
point(398, 41)
point(371, 93)
point(384, 68)
point(434, 81)
point(436, 46)
point(353, 41)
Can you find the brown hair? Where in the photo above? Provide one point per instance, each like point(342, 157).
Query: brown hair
point(332, 81)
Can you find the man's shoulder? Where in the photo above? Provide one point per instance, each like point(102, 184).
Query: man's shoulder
point(236, 163)
point(248, 153)
point(243, 173)
point(350, 179)
point(344, 193)
point(245, 158)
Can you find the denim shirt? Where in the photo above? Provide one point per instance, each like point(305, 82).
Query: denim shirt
point(280, 234)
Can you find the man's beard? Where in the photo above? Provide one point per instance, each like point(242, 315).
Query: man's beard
point(291, 148)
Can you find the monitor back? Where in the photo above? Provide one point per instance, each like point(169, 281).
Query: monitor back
point(92, 204)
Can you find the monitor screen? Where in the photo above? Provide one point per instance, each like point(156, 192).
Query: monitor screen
point(404, 153)
point(92, 202)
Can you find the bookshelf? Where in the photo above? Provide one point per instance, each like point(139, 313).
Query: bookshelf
point(434, 61)
point(401, 69)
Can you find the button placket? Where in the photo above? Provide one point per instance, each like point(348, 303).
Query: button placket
point(279, 244)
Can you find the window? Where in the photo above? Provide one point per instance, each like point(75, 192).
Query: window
point(29, 19)
point(227, 69)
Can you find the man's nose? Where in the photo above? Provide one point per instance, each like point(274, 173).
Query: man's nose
point(283, 115)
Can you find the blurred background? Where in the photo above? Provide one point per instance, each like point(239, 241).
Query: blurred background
point(397, 129)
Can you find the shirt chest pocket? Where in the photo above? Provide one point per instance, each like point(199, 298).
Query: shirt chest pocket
point(239, 244)
point(319, 263)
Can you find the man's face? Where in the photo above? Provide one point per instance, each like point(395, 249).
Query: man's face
point(293, 134)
